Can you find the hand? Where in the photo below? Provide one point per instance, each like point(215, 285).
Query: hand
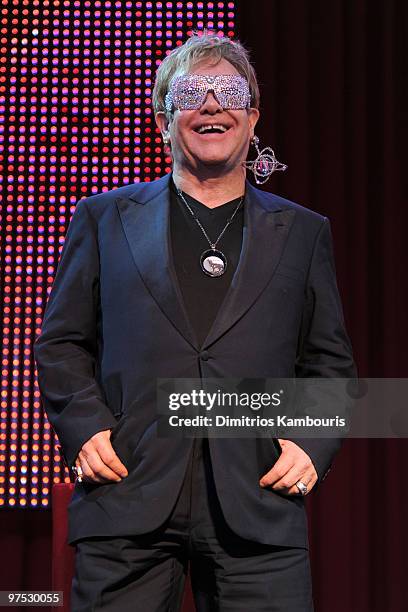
point(293, 465)
point(98, 460)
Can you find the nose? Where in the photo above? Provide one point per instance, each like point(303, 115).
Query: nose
point(211, 104)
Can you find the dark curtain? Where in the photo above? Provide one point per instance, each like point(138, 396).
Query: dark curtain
point(334, 104)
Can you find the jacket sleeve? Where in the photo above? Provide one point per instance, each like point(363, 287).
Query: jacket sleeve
point(324, 347)
point(66, 349)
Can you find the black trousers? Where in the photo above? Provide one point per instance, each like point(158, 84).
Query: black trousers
point(146, 573)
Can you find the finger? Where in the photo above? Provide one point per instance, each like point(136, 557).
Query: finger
point(292, 477)
point(88, 473)
point(309, 479)
point(102, 471)
point(111, 459)
point(278, 471)
point(104, 459)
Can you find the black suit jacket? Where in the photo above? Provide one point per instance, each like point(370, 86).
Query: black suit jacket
point(115, 322)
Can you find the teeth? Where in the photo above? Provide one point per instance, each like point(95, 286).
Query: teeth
point(216, 126)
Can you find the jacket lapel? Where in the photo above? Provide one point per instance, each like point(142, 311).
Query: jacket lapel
point(145, 218)
point(266, 227)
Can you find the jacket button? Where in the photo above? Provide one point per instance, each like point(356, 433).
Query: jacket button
point(204, 355)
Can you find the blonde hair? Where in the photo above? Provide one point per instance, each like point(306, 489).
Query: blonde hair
point(197, 48)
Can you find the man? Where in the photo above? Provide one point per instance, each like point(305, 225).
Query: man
point(195, 275)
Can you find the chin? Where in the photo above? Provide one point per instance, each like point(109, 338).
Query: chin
point(222, 162)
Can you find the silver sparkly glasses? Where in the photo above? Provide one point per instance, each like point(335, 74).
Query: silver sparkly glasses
point(188, 92)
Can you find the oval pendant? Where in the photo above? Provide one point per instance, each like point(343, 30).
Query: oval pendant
point(213, 262)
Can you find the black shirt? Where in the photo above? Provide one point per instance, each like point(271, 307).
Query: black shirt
point(203, 294)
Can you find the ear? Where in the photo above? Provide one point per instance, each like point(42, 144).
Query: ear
point(253, 116)
point(162, 123)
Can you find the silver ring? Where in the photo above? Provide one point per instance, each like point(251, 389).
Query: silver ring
point(78, 472)
point(302, 487)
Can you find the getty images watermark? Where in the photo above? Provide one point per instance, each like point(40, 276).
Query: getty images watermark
point(214, 401)
point(252, 407)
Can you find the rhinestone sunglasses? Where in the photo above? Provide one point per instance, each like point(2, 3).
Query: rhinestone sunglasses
point(188, 92)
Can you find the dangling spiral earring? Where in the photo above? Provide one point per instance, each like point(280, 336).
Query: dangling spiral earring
point(265, 164)
point(166, 139)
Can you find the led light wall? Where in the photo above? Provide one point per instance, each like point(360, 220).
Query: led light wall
point(75, 119)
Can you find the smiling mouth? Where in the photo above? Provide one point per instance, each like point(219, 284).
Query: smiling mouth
point(215, 129)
